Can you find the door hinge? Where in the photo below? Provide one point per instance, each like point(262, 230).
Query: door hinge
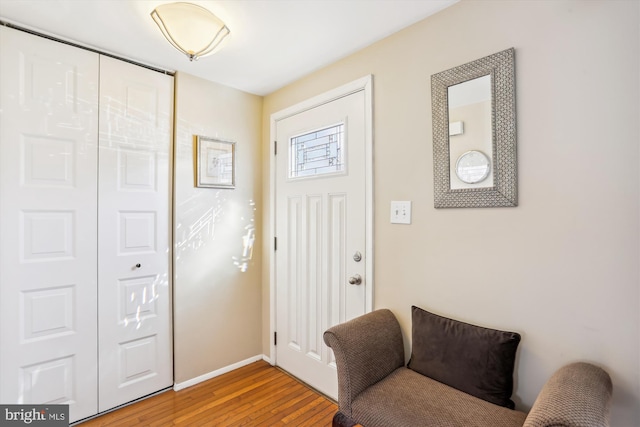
point(275, 148)
point(275, 338)
point(275, 243)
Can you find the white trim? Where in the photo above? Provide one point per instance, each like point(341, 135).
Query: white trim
point(217, 372)
point(363, 84)
point(369, 195)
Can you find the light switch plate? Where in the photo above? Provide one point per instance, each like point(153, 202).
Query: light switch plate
point(400, 212)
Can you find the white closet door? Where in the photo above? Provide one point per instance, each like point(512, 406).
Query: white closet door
point(136, 107)
point(48, 191)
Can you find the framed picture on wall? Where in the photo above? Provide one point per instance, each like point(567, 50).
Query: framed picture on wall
point(215, 163)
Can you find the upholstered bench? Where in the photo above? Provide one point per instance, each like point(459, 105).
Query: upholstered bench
point(375, 389)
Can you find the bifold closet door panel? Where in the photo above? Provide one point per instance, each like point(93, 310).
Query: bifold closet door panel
point(134, 327)
point(48, 223)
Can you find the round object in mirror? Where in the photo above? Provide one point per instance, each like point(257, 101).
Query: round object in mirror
point(473, 167)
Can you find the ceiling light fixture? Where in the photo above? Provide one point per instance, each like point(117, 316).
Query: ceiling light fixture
point(190, 28)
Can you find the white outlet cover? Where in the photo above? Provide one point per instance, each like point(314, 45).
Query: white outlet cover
point(400, 212)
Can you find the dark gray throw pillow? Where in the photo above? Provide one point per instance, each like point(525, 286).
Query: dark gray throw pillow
point(473, 359)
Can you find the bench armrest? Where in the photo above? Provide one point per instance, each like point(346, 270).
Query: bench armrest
point(366, 349)
point(578, 394)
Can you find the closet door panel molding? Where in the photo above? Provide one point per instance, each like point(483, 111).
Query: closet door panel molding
point(48, 223)
point(136, 113)
point(85, 292)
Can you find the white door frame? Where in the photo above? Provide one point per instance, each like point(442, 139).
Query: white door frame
point(363, 84)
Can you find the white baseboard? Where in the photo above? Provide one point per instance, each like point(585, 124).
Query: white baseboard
point(218, 372)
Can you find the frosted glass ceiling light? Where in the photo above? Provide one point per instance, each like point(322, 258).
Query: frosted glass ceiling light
point(190, 28)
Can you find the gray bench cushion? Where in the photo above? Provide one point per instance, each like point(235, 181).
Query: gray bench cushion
point(406, 398)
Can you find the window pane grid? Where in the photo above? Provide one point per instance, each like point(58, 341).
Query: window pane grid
point(317, 153)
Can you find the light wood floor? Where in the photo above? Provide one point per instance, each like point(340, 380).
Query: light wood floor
point(255, 395)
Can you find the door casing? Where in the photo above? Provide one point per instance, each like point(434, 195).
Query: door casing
point(363, 84)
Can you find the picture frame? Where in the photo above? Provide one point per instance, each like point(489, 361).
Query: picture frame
point(499, 186)
point(215, 162)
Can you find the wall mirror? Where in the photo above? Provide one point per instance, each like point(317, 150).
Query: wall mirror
point(474, 133)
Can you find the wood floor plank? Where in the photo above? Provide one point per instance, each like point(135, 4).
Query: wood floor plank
point(243, 403)
point(218, 393)
point(276, 414)
point(289, 412)
point(250, 415)
point(302, 412)
point(256, 395)
point(322, 417)
point(222, 399)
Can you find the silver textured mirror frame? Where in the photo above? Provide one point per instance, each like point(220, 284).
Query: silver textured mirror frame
point(504, 192)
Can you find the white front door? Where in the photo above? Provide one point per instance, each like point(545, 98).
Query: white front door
point(322, 227)
point(48, 219)
point(136, 108)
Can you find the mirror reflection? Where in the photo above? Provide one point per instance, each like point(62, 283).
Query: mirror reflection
point(473, 167)
point(470, 128)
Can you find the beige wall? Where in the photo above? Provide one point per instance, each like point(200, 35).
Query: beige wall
point(217, 286)
point(562, 268)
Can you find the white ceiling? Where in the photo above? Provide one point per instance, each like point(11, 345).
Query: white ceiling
point(272, 42)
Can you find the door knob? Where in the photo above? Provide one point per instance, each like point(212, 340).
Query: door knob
point(356, 279)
